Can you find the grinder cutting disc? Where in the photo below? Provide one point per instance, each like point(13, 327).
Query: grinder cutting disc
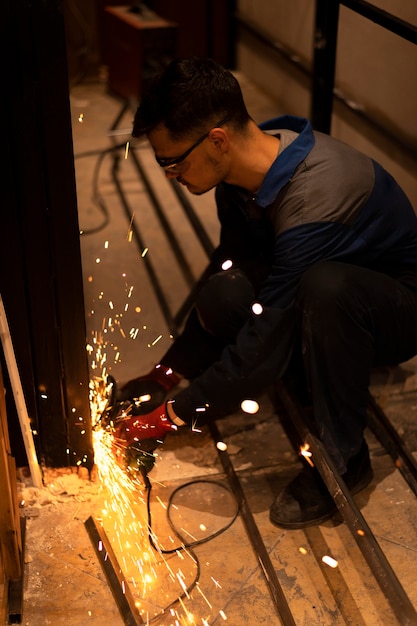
point(139, 461)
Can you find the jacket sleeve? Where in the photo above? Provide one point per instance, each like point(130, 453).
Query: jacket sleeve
point(264, 345)
point(259, 356)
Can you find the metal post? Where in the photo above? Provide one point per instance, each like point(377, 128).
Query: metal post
point(325, 41)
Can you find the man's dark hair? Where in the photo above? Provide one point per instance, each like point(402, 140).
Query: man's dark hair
point(189, 96)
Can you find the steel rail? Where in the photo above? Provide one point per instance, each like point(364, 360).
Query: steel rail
point(252, 530)
point(393, 444)
point(193, 218)
point(188, 303)
point(166, 226)
point(111, 568)
point(174, 321)
point(157, 287)
point(390, 22)
point(373, 554)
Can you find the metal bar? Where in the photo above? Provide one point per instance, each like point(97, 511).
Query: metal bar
point(173, 322)
point(117, 582)
point(193, 218)
point(383, 18)
point(149, 267)
point(374, 556)
point(188, 303)
point(171, 236)
point(324, 63)
point(185, 308)
point(392, 442)
point(125, 107)
point(254, 535)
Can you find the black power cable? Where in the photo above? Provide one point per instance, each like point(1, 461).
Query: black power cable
point(184, 545)
point(97, 197)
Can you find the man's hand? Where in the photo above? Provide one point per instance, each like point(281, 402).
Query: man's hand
point(155, 383)
point(143, 432)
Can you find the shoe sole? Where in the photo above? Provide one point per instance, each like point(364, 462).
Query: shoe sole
point(362, 484)
point(300, 525)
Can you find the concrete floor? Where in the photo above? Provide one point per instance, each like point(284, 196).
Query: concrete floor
point(65, 583)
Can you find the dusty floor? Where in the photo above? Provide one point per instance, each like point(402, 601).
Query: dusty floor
point(64, 579)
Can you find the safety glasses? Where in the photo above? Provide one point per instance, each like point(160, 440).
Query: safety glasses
point(171, 164)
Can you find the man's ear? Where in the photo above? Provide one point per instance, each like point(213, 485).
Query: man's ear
point(220, 139)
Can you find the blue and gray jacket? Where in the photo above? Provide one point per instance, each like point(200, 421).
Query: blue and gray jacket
point(321, 200)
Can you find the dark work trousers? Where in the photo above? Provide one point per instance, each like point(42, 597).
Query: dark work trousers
point(349, 319)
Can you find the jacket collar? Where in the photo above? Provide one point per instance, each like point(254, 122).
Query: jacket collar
point(287, 161)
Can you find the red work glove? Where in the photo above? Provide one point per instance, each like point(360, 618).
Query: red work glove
point(143, 432)
point(157, 383)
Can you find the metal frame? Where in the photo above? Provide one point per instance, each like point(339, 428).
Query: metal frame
point(41, 282)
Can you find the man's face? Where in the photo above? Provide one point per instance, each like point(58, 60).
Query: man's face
point(203, 167)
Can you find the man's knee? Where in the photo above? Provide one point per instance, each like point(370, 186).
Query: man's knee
point(223, 304)
point(323, 284)
point(332, 302)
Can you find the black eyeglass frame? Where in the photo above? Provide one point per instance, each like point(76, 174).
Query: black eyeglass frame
point(167, 164)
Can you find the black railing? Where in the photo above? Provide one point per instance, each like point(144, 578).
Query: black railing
point(325, 43)
point(321, 75)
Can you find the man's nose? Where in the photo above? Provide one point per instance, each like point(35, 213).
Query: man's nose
point(169, 174)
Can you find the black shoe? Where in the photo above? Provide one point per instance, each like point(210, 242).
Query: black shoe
point(306, 500)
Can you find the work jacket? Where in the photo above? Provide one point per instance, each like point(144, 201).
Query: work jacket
point(321, 200)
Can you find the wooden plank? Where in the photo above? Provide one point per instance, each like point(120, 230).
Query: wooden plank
point(10, 537)
point(15, 587)
point(19, 398)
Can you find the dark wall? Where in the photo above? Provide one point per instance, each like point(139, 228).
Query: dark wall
point(40, 277)
point(204, 27)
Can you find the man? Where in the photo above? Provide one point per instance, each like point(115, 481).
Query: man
point(319, 236)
